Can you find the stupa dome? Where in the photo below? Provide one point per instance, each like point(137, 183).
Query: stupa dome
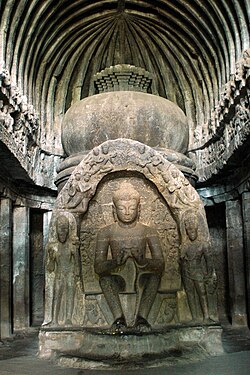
point(147, 118)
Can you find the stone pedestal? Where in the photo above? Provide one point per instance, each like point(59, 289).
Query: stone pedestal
point(84, 348)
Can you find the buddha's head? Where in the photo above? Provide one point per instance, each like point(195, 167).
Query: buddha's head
point(126, 204)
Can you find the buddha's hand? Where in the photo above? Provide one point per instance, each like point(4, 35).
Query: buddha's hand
point(151, 265)
point(122, 257)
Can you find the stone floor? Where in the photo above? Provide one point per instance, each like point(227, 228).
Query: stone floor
point(18, 356)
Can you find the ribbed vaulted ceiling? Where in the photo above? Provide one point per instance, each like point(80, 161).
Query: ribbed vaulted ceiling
point(54, 47)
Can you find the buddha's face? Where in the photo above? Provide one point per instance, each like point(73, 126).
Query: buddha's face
point(127, 211)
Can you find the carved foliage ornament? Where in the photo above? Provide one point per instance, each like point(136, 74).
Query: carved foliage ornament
point(17, 116)
point(127, 155)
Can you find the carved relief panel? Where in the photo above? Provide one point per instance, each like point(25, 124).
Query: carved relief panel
point(141, 244)
point(154, 212)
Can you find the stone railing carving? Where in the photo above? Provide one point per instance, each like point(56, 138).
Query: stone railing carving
point(17, 116)
point(232, 92)
point(230, 123)
point(19, 125)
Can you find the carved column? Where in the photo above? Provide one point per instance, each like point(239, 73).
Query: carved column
point(36, 267)
point(5, 271)
point(46, 220)
point(236, 269)
point(21, 290)
point(246, 221)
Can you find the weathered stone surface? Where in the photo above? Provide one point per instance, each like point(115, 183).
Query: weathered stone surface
point(198, 281)
point(182, 162)
point(5, 267)
point(129, 270)
point(178, 74)
point(36, 267)
point(50, 63)
point(147, 118)
point(21, 270)
point(246, 226)
point(236, 262)
point(217, 228)
point(122, 226)
point(230, 124)
point(123, 77)
point(62, 271)
point(125, 350)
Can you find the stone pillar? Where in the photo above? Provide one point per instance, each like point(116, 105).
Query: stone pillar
point(36, 267)
point(236, 269)
point(21, 290)
point(5, 270)
point(46, 220)
point(246, 221)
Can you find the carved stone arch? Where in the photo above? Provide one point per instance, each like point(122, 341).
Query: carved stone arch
point(87, 200)
point(127, 157)
point(131, 156)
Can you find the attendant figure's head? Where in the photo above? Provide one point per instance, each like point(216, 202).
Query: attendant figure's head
point(126, 204)
point(62, 228)
point(191, 226)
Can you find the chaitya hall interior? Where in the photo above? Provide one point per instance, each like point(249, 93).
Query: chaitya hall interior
point(125, 179)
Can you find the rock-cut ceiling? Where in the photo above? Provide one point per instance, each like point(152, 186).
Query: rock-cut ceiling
point(53, 48)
